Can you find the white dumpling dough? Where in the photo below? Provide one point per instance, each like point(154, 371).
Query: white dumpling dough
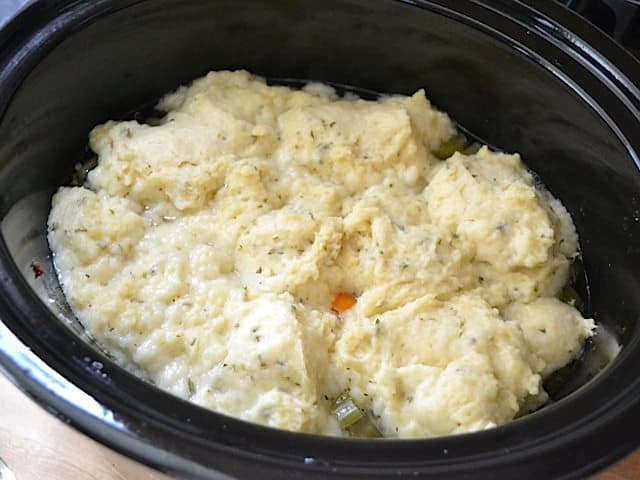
point(205, 252)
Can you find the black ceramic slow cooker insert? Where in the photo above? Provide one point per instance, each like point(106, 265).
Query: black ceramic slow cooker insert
point(537, 80)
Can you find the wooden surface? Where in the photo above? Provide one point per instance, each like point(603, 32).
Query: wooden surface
point(36, 446)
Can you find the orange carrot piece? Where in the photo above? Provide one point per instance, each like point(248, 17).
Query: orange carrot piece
point(343, 302)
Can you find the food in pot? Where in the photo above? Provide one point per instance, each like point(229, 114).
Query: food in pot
point(308, 262)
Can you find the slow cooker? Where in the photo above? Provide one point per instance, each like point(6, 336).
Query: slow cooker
point(531, 77)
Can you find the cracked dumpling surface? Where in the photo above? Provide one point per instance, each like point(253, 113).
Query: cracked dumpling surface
point(204, 252)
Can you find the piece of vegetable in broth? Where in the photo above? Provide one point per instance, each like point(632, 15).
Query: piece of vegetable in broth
point(343, 302)
point(471, 149)
point(346, 411)
point(352, 418)
point(457, 143)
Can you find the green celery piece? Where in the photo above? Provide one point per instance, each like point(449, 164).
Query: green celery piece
point(450, 146)
point(352, 418)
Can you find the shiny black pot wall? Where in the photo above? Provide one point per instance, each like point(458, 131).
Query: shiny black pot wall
point(541, 82)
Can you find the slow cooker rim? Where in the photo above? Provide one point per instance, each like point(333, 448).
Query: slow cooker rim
point(32, 386)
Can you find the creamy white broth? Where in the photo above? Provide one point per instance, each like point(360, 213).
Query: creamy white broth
point(207, 251)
